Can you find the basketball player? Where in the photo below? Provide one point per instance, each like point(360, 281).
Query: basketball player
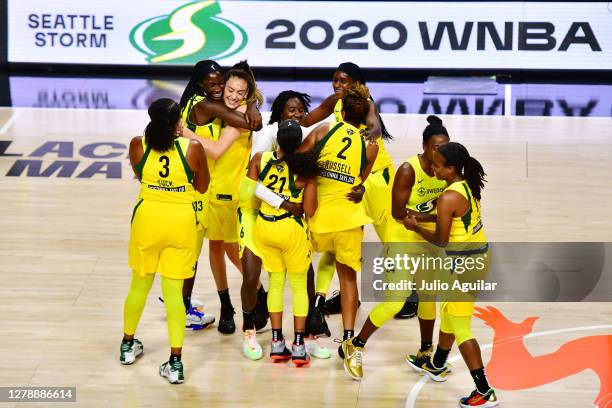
point(337, 225)
point(164, 227)
point(459, 228)
point(282, 238)
point(378, 185)
point(288, 105)
point(204, 94)
point(415, 191)
point(230, 149)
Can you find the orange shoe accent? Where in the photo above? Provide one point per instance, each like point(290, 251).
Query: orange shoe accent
point(513, 367)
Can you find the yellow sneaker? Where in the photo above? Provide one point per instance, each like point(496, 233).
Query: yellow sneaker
point(352, 359)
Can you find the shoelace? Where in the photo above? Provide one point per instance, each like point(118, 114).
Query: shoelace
point(357, 355)
point(194, 311)
point(251, 341)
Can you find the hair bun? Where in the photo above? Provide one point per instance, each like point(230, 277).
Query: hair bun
point(243, 65)
point(434, 120)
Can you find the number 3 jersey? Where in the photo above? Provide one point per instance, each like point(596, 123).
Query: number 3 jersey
point(166, 176)
point(342, 159)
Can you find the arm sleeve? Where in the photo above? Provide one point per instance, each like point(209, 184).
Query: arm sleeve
point(265, 194)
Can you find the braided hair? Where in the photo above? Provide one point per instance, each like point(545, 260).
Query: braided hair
point(200, 71)
point(281, 100)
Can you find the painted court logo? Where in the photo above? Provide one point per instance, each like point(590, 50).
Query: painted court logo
point(190, 33)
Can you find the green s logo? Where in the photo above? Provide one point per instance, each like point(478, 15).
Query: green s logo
point(427, 206)
point(191, 33)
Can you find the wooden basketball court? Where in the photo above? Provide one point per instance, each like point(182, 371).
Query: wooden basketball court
point(64, 271)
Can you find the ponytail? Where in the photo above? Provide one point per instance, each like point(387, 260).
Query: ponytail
point(474, 175)
point(243, 70)
point(456, 155)
point(159, 133)
point(384, 133)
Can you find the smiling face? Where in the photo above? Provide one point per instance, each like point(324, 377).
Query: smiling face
point(341, 82)
point(236, 91)
point(293, 109)
point(213, 86)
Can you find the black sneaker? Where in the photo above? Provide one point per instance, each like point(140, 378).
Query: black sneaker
point(226, 320)
point(409, 310)
point(316, 324)
point(261, 312)
point(333, 304)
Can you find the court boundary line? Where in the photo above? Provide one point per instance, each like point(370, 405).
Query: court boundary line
point(14, 116)
point(414, 391)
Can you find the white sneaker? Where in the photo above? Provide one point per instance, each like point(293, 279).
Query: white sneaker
point(129, 354)
point(250, 346)
point(198, 320)
point(174, 372)
point(316, 349)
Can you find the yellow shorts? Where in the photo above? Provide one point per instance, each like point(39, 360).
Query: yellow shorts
point(200, 205)
point(284, 245)
point(377, 197)
point(458, 325)
point(345, 245)
point(222, 222)
point(163, 239)
point(424, 265)
point(246, 230)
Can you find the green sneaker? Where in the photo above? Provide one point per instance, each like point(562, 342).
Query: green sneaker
point(129, 353)
point(173, 372)
point(250, 346)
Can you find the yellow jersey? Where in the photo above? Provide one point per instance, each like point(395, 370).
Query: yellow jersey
point(467, 228)
point(342, 159)
point(229, 169)
point(383, 159)
point(166, 176)
point(275, 175)
point(425, 191)
point(211, 130)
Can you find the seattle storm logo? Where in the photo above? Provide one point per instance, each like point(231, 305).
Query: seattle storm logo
point(191, 33)
point(427, 206)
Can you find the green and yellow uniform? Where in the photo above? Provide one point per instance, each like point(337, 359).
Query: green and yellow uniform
point(423, 195)
point(282, 239)
point(248, 209)
point(467, 240)
point(377, 197)
point(337, 224)
point(210, 131)
point(224, 188)
point(163, 236)
point(164, 225)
